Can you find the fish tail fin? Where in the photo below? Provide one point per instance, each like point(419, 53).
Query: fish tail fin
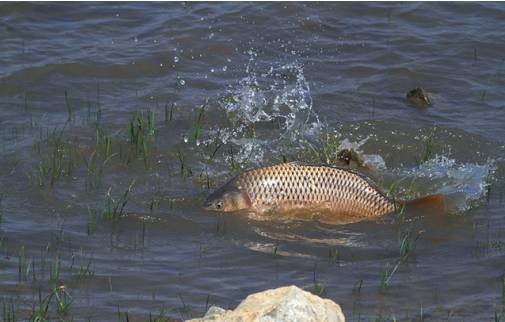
point(430, 202)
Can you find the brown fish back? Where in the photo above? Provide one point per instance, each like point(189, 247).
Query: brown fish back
point(297, 186)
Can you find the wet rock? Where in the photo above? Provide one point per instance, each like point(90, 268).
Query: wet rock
point(418, 97)
point(288, 303)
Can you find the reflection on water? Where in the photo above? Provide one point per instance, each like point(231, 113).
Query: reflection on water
point(116, 120)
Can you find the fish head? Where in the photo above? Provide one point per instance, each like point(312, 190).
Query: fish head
point(227, 199)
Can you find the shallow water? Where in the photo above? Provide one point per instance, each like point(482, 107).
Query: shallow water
point(232, 86)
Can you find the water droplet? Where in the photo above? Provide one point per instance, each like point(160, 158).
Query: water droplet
point(182, 82)
point(176, 59)
point(225, 68)
point(211, 35)
point(212, 70)
point(185, 139)
point(197, 142)
point(161, 65)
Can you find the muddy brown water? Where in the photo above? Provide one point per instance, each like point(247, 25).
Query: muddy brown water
point(227, 86)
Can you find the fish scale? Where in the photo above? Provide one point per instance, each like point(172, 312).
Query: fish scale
point(294, 186)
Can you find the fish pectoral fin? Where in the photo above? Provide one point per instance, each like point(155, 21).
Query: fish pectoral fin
point(431, 202)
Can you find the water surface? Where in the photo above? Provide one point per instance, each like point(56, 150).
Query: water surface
point(222, 87)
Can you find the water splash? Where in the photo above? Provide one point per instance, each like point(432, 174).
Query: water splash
point(462, 183)
point(269, 109)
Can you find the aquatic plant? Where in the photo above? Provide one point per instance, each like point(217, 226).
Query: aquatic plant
point(196, 129)
point(97, 113)
point(41, 311)
point(160, 317)
point(140, 132)
point(94, 173)
point(185, 170)
point(317, 287)
point(103, 143)
point(384, 278)
point(9, 311)
point(113, 210)
point(68, 102)
point(407, 244)
point(325, 150)
point(24, 266)
point(85, 271)
point(62, 299)
point(427, 153)
point(54, 274)
point(60, 159)
point(169, 113)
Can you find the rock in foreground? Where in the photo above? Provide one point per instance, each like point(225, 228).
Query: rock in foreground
point(288, 303)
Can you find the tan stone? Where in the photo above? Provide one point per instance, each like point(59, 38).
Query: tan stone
point(288, 304)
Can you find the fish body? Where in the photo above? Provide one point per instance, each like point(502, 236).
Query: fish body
point(294, 186)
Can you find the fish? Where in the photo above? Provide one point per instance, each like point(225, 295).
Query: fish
point(295, 187)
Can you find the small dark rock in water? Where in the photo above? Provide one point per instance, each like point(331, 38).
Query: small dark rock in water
point(418, 97)
point(349, 157)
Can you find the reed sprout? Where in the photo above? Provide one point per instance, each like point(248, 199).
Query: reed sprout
point(325, 150)
point(407, 246)
point(24, 266)
point(62, 299)
point(54, 274)
point(9, 312)
point(196, 129)
point(169, 113)
point(140, 132)
point(185, 170)
point(427, 153)
point(113, 210)
point(60, 159)
point(41, 311)
point(94, 173)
